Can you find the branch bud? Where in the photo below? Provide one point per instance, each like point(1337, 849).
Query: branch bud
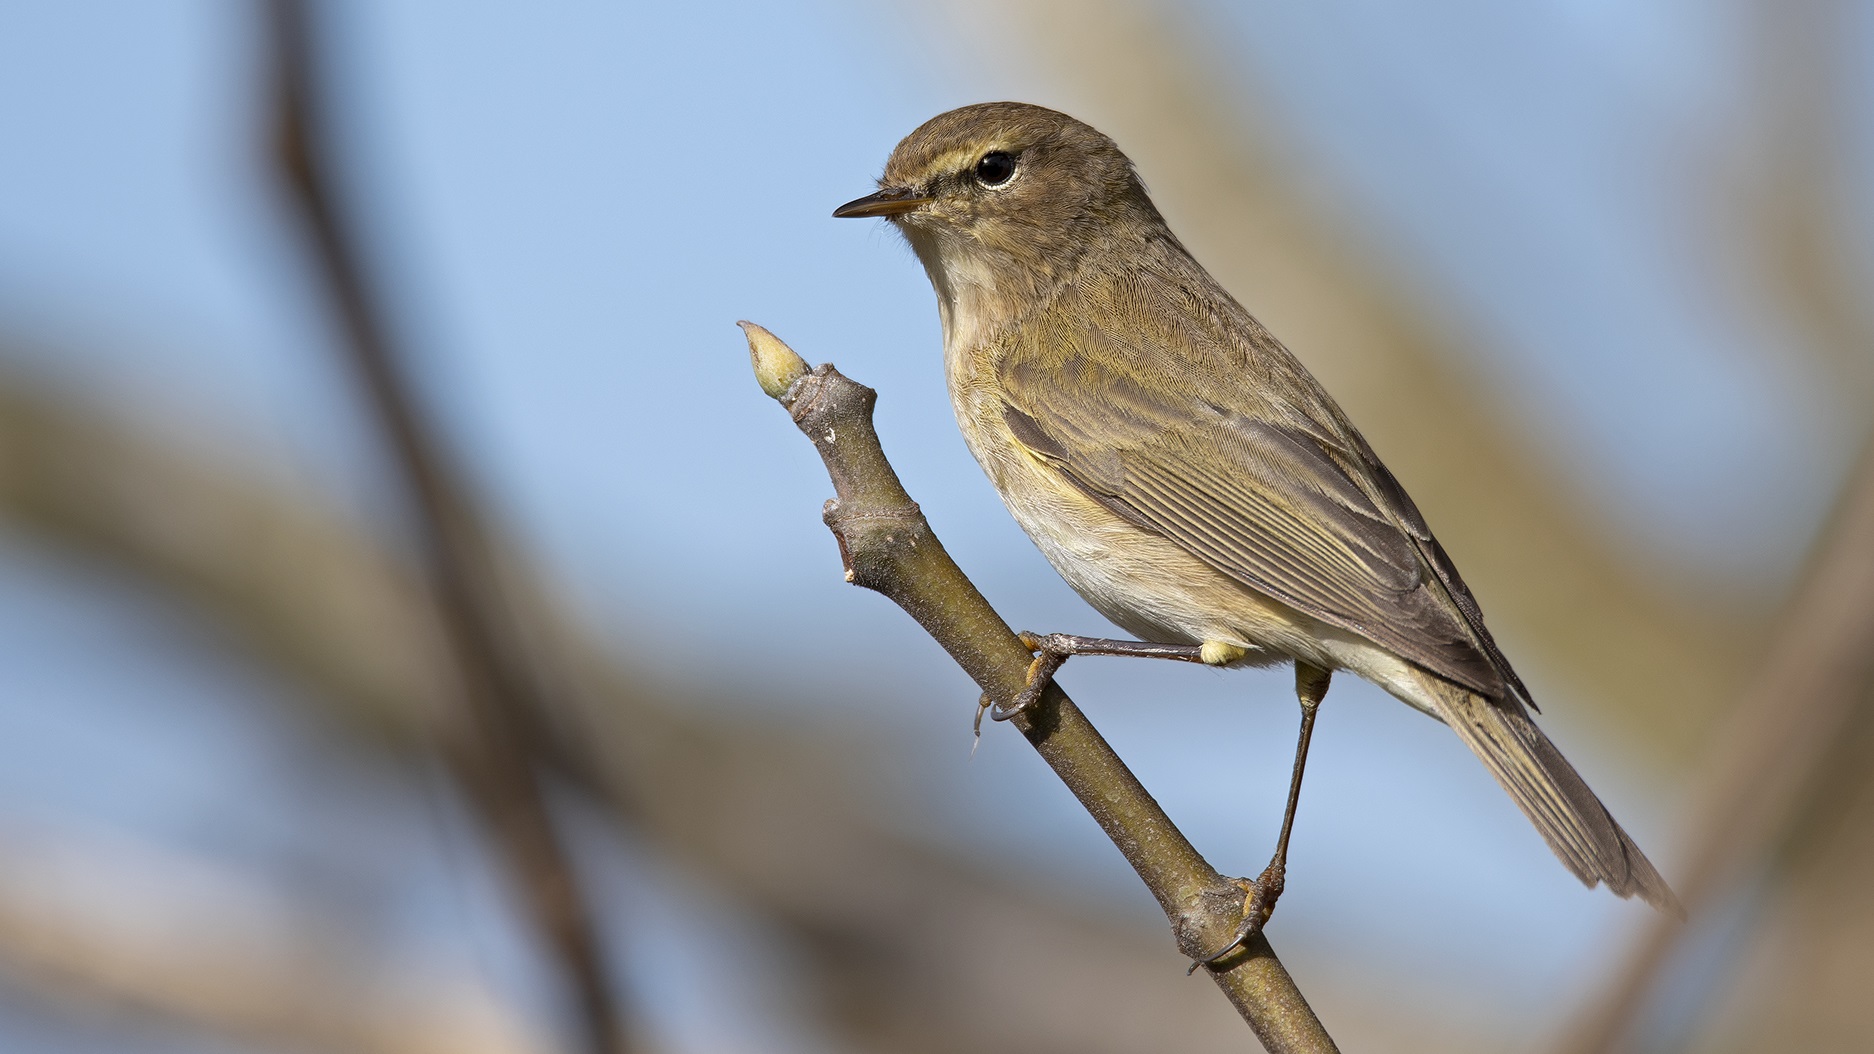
point(776, 365)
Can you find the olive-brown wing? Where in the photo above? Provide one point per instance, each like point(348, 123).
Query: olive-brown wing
point(1215, 468)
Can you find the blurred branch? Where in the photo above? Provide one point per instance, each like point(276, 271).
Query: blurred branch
point(91, 921)
point(910, 946)
point(1791, 719)
point(1790, 759)
point(500, 751)
point(1630, 640)
point(887, 546)
point(1806, 969)
point(1791, 219)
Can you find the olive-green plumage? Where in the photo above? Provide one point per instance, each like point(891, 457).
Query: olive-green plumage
point(1176, 463)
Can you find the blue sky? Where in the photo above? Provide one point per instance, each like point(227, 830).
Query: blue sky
point(573, 205)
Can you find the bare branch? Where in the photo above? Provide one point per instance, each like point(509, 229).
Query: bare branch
point(500, 751)
point(905, 945)
point(886, 545)
point(1791, 718)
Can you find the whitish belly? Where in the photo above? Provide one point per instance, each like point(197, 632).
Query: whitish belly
point(1140, 580)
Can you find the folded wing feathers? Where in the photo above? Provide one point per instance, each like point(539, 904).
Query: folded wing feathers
point(1551, 793)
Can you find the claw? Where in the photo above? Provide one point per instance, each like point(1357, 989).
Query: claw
point(1260, 904)
point(1040, 674)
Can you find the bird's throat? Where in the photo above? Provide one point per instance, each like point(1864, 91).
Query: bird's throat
point(977, 290)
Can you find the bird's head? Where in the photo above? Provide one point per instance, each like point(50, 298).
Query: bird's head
point(1003, 198)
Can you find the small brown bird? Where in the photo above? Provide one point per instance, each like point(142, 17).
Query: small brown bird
point(1185, 474)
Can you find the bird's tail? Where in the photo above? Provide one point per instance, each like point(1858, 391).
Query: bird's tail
point(1549, 791)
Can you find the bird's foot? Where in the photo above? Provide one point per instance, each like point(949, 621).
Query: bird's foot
point(1051, 650)
point(1259, 899)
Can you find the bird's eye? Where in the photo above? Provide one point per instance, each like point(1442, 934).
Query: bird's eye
point(996, 168)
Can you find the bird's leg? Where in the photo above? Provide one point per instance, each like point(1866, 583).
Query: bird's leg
point(1053, 649)
point(1310, 688)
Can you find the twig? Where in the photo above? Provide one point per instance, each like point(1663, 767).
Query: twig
point(1801, 698)
point(331, 608)
point(500, 749)
point(886, 545)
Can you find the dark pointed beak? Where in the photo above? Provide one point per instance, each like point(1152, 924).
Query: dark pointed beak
point(891, 202)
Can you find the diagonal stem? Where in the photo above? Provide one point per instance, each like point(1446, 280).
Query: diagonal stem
point(886, 545)
point(1812, 678)
point(499, 750)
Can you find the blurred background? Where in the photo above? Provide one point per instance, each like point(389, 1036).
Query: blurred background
point(1592, 277)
